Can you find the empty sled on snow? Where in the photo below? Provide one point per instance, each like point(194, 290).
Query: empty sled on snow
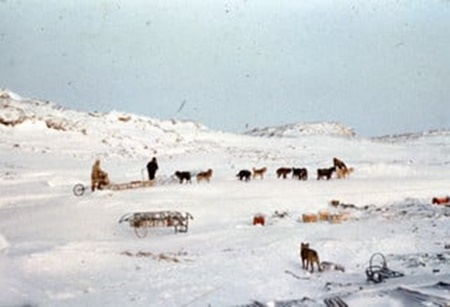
point(379, 272)
point(141, 221)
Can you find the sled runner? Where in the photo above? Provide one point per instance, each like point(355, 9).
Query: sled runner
point(379, 272)
point(79, 188)
point(141, 221)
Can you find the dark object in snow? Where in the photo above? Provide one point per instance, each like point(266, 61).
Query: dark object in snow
point(379, 272)
point(244, 175)
point(423, 298)
point(441, 200)
point(152, 167)
point(325, 173)
point(141, 221)
point(306, 301)
point(282, 172)
point(259, 220)
point(78, 189)
point(183, 176)
point(281, 214)
point(335, 301)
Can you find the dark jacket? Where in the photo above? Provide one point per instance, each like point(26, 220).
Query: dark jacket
point(152, 167)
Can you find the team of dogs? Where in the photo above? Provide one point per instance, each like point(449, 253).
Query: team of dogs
point(309, 257)
point(342, 171)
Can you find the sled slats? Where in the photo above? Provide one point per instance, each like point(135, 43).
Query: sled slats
point(140, 221)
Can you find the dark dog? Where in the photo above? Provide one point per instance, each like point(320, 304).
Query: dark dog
point(339, 164)
point(186, 176)
point(283, 172)
point(441, 200)
point(325, 173)
point(300, 173)
point(244, 175)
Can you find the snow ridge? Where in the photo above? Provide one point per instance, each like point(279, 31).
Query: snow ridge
point(15, 110)
point(297, 130)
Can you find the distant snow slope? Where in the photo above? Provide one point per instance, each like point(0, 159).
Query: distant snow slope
point(295, 130)
point(115, 132)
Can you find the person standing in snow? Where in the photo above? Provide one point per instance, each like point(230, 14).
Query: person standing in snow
point(152, 167)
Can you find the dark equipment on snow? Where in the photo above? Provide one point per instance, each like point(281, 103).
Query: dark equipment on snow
point(79, 189)
point(379, 272)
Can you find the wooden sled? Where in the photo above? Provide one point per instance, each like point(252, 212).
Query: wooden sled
point(79, 189)
point(142, 221)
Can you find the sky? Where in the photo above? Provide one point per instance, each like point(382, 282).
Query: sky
point(379, 67)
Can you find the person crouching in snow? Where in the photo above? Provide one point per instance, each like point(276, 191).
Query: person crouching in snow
point(99, 178)
point(152, 167)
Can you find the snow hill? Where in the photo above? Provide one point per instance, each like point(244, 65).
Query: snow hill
point(58, 249)
point(297, 130)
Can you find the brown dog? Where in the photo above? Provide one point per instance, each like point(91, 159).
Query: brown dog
point(205, 175)
point(440, 200)
point(283, 172)
point(343, 173)
point(309, 257)
point(259, 172)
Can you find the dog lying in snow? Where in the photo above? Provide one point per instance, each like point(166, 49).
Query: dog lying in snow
point(440, 200)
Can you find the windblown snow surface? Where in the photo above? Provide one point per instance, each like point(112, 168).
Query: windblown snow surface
point(57, 249)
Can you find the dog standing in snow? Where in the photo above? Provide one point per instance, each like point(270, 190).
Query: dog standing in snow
point(325, 173)
point(205, 175)
point(283, 172)
point(183, 176)
point(343, 173)
point(244, 175)
point(300, 173)
point(259, 172)
point(309, 257)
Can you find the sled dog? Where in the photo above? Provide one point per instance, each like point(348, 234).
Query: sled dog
point(283, 172)
point(183, 176)
point(259, 172)
point(244, 175)
point(309, 257)
point(205, 175)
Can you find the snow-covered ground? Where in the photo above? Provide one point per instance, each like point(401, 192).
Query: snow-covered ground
point(58, 249)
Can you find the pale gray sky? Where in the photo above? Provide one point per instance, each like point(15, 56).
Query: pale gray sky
point(380, 67)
